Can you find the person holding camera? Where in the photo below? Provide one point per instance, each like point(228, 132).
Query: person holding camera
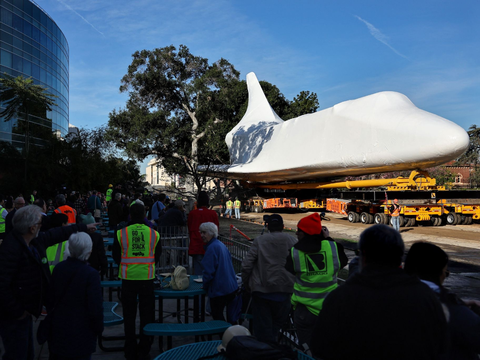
point(265, 276)
point(315, 261)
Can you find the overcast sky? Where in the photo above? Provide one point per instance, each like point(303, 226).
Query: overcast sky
point(428, 50)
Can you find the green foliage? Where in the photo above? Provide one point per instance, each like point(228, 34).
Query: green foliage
point(443, 175)
point(80, 162)
point(22, 95)
point(472, 155)
point(180, 108)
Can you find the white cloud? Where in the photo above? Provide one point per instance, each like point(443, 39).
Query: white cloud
point(377, 34)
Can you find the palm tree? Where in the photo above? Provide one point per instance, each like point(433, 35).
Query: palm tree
point(21, 96)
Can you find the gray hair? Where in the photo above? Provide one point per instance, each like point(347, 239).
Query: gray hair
point(209, 228)
point(118, 196)
point(179, 204)
point(25, 218)
point(17, 200)
point(139, 202)
point(79, 246)
point(60, 199)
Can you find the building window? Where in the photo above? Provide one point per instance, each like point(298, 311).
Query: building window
point(458, 179)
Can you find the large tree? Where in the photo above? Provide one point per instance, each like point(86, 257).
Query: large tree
point(180, 108)
point(22, 98)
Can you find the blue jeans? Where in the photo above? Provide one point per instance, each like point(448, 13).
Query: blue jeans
point(237, 213)
point(17, 336)
point(396, 222)
point(268, 317)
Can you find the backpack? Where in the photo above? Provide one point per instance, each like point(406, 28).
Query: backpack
point(248, 347)
point(180, 279)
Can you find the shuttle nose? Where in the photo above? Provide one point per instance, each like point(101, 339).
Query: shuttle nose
point(443, 139)
point(453, 140)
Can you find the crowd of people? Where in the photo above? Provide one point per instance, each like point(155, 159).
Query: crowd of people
point(52, 259)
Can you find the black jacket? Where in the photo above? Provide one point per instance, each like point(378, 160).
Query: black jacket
point(76, 296)
point(383, 313)
point(24, 272)
point(98, 258)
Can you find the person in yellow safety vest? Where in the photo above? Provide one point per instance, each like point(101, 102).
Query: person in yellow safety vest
point(108, 193)
point(315, 261)
point(395, 210)
point(237, 208)
point(33, 197)
point(229, 204)
point(55, 253)
point(136, 251)
point(3, 215)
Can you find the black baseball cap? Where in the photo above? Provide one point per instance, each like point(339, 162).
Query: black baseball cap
point(274, 219)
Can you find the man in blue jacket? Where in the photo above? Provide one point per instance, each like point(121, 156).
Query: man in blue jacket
point(219, 279)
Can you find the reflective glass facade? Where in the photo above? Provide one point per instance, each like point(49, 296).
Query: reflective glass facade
point(32, 45)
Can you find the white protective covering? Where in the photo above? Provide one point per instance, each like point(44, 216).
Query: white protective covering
point(377, 133)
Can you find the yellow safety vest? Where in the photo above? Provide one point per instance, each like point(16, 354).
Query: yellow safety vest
point(55, 254)
point(229, 204)
point(108, 196)
point(138, 244)
point(316, 276)
point(237, 204)
point(2, 220)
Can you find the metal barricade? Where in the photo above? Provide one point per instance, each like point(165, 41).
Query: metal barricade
point(238, 249)
point(175, 241)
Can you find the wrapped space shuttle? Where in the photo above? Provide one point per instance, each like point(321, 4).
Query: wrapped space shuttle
point(382, 132)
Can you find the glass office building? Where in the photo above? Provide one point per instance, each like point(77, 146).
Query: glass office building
point(32, 45)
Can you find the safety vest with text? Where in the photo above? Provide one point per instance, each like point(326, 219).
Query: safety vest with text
point(55, 254)
point(2, 220)
point(69, 211)
point(316, 276)
point(237, 204)
point(108, 195)
point(137, 244)
point(229, 204)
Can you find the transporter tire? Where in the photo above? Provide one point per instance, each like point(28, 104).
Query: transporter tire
point(357, 217)
point(451, 219)
point(364, 218)
point(386, 219)
point(351, 217)
point(470, 220)
point(459, 219)
point(402, 221)
point(378, 218)
point(371, 219)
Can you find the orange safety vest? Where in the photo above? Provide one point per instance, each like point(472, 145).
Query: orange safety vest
point(396, 210)
point(137, 244)
point(69, 211)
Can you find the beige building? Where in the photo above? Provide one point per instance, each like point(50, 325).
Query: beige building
point(158, 178)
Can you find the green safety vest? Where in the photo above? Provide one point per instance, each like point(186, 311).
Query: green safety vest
point(316, 276)
point(229, 204)
point(108, 196)
point(55, 254)
point(2, 220)
point(137, 243)
point(237, 204)
point(32, 199)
